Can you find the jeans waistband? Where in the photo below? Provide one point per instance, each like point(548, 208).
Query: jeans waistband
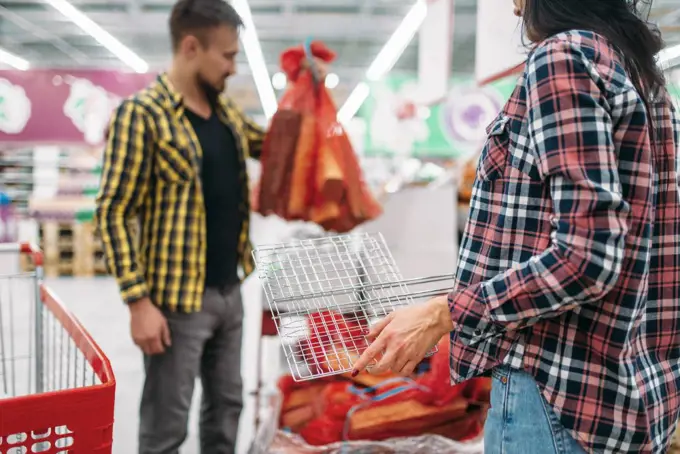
point(501, 371)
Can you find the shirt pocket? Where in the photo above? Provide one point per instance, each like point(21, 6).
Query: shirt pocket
point(174, 162)
point(494, 156)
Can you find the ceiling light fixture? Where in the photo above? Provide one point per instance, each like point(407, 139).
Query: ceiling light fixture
point(386, 59)
point(14, 61)
point(353, 102)
point(103, 37)
point(279, 81)
point(258, 67)
point(332, 81)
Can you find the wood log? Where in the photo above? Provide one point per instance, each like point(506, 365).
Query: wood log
point(330, 178)
point(463, 427)
point(277, 160)
point(403, 416)
point(301, 397)
point(369, 380)
point(302, 178)
point(325, 213)
point(297, 418)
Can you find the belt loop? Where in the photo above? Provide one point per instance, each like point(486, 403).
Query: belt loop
point(502, 372)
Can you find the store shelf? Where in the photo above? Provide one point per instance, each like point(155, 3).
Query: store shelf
point(69, 172)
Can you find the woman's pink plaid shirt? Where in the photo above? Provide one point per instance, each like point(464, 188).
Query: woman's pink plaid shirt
point(570, 263)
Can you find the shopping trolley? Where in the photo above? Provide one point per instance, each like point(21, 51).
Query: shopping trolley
point(325, 293)
point(56, 385)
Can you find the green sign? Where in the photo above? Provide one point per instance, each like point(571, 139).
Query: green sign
point(399, 123)
point(675, 92)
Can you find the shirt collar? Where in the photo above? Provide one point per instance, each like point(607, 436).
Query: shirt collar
point(175, 98)
point(172, 95)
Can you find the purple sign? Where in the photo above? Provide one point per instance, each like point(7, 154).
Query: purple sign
point(62, 106)
point(467, 112)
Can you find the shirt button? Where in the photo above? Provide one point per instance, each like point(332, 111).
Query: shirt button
point(477, 332)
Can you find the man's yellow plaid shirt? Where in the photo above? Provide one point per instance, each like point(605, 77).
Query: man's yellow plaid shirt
point(151, 175)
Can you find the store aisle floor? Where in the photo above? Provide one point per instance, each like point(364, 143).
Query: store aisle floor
point(97, 304)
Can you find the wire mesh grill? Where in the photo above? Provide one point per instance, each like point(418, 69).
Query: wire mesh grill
point(32, 363)
point(325, 293)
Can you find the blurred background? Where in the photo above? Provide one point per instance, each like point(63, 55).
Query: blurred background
point(415, 82)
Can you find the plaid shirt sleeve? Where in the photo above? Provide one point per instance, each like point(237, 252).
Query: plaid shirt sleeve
point(570, 135)
point(254, 134)
point(124, 180)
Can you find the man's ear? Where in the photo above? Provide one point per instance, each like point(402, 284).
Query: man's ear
point(189, 46)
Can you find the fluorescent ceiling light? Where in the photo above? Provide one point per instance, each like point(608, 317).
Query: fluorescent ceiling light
point(669, 57)
point(395, 46)
point(353, 102)
point(386, 58)
point(332, 81)
point(103, 37)
point(258, 67)
point(14, 61)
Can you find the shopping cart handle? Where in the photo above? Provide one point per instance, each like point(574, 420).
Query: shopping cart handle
point(26, 247)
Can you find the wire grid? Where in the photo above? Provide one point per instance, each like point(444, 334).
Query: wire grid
point(325, 293)
point(26, 369)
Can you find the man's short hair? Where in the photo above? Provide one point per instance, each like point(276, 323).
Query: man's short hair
point(197, 17)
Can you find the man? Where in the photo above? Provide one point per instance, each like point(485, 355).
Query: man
point(175, 161)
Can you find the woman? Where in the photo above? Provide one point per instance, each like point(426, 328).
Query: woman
point(569, 273)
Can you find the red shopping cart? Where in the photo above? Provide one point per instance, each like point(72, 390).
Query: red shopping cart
point(57, 387)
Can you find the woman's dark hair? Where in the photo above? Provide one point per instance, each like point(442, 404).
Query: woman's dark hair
point(619, 21)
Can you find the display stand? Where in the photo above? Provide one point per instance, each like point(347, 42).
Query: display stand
point(268, 325)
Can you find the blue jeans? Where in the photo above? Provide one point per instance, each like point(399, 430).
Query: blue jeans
point(520, 421)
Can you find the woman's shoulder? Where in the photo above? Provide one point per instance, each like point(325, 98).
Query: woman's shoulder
point(587, 51)
point(583, 44)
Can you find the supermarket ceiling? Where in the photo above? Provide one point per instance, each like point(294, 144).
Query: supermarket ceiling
point(355, 29)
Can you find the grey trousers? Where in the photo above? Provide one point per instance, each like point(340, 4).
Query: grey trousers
point(206, 344)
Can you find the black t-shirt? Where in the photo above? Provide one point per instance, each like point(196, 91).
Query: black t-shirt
point(222, 192)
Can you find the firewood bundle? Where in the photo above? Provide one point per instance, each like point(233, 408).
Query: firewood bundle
point(366, 407)
point(309, 169)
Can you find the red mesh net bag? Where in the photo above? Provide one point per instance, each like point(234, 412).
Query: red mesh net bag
point(337, 409)
point(309, 169)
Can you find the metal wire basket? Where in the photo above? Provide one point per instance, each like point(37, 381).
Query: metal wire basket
point(325, 294)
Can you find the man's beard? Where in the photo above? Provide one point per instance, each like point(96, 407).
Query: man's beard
point(210, 91)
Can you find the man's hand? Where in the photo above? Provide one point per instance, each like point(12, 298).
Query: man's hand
point(405, 336)
point(149, 328)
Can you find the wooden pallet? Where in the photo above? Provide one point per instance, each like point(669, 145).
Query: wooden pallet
point(70, 249)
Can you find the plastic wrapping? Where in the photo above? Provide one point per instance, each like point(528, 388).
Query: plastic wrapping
point(286, 443)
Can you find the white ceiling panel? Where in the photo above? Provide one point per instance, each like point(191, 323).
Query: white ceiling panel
point(355, 29)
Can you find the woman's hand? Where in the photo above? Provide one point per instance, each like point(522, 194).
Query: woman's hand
point(405, 336)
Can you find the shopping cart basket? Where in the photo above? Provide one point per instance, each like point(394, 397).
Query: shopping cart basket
point(325, 293)
point(56, 386)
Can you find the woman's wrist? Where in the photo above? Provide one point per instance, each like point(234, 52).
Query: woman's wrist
point(440, 307)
